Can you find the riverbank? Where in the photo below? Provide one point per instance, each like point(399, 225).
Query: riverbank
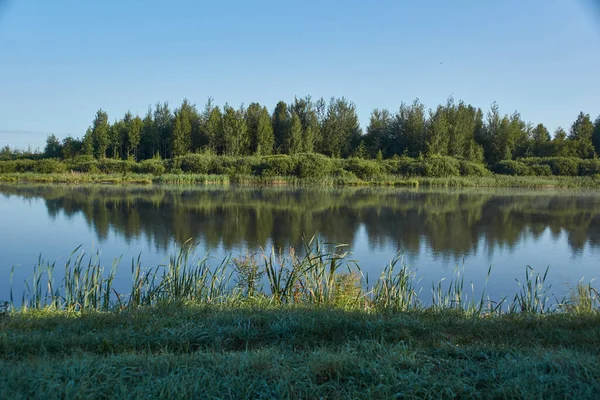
point(203, 179)
point(261, 351)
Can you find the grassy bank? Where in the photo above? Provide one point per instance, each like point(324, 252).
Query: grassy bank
point(390, 180)
point(295, 325)
point(261, 351)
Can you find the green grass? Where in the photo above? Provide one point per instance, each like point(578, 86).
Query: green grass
point(494, 181)
point(292, 325)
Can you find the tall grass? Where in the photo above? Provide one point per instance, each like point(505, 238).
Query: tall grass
point(320, 274)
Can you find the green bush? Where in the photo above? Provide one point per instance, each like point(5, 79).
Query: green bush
point(49, 166)
point(193, 163)
point(83, 164)
point(7, 167)
point(442, 167)
point(564, 166)
point(279, 165)
point(313, 165)
point(540, 170)
point(468, 168)
point(110, 166)
point(589, 167)
point(364, 169)
point(511, 167)
point(152, 166)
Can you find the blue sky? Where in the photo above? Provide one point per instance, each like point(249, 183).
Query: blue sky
point(60, 61)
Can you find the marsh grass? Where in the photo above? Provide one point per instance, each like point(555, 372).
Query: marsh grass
point(320, 274)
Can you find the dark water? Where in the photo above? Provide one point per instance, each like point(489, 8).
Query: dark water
point(436, 230)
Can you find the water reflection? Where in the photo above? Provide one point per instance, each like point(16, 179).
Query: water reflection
point(451, 224)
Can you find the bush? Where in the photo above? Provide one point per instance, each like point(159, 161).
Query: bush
point(279, 165)
point(152, 166)
point(49, 166)
point(193, 163)
point(83, 164)
point(589, 167)
point(540, 170)
point(468, 168)
point(442, 167)
point(564, 166)
point(364, 169)
point(511, 167)
point(313, 165)
point(7, 167)
point(110, 166)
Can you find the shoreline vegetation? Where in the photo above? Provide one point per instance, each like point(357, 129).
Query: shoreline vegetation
point(303, 324)
point(309, 169)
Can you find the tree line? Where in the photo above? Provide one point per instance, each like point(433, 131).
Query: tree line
point(331, 128)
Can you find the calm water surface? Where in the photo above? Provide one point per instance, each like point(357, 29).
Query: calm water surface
point(435, 230)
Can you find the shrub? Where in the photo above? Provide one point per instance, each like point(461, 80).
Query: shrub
point(193, 163)
point(468, 168)
point(110, 166)
point(540, 170)
point(49, 166)
point(511, 167)
point(442, 167)
point(313, 165)
point(564, 166)
point(83, 164)
point(279, 165)
point(7, 167)
point(152, 166)
point(589, 167)
point(364, 169)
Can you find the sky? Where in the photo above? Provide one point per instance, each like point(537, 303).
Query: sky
point(60, 61)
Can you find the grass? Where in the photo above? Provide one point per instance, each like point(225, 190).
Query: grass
point(291, 325)
point(493, 181)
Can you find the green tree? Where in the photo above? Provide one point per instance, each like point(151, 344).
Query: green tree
point(540, 141)
point(181, 137)
point(265, 139)
point(560, 146)
point(149, 140)
point(53, 147)
point(407, 130)
point(436, 133)
point(71, 147)
point(341, 129)
point(88, 142)
point(236, 141)
point(163, 121)
point(281, 124)
point(596, 135)
point(377, 137)
point(134, 135)
point(100, 134)
point(253, 114)
point(581, 135)
point(293, 141)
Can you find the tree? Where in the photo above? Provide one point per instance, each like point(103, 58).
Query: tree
point(183, 124)
point(436, 133)
point(53, 147)
point(341, 130)
point(163, 120)
point(252, 119)
point(149, 140)
point(213, 130)
point(100, 134)
point(133, 136)
point(71, 147)
point(581, 135)
point(596, 135)
point(560, 146)
point(377, 137)
point(88, 142)
point(265, 139)
point(281, 125)
point(540, 141)
point(236, 141)
point(293, 141)
point(407, 130)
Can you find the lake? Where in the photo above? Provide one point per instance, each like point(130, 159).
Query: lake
point(436, 230)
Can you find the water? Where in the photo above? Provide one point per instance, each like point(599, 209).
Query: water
point(437, 230)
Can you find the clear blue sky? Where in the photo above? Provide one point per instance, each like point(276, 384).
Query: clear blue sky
point(60, 61)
